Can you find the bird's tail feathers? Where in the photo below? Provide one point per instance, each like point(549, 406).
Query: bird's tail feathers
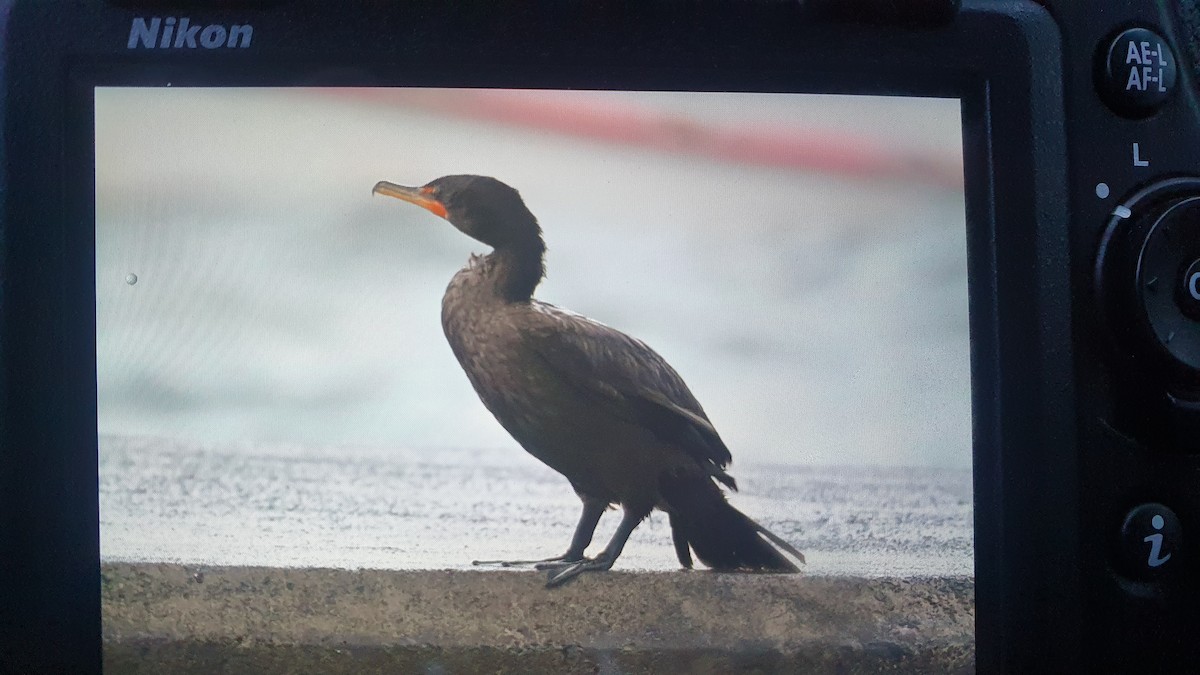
point(682, 550)
point(722, 537)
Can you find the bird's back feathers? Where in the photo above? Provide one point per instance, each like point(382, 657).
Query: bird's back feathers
point(628, 379)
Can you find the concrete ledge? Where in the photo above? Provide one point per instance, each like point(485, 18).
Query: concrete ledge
point(182, 619)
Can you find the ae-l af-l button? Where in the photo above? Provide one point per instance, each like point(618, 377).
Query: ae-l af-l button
point(1135, 72)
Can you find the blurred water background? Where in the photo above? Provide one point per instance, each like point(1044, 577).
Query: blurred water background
point(274, 387)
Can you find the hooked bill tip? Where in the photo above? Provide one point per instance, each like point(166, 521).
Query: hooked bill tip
point(419, 196)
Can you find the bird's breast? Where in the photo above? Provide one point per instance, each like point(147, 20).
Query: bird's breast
point(484, 332)
point(549, 412)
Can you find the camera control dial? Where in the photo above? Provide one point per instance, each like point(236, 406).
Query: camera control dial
point(1148, 274)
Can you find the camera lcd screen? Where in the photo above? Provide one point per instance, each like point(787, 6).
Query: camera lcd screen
point(275, 388)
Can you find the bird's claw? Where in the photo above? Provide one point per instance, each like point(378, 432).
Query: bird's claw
point(500, 563)
point(544, 563)
point(505, 563)
point(561, 563)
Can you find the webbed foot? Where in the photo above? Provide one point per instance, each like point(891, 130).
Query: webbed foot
point(564, 572)
point(556, 560)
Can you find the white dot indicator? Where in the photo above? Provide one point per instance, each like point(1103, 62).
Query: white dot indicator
point(1102, 190)
point(131, 278)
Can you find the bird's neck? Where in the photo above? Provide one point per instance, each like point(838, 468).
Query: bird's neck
point(517, 268)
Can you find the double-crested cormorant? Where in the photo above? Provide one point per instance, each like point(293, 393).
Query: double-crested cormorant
point(594, 404)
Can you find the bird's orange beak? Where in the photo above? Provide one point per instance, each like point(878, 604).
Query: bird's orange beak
point(416, 195)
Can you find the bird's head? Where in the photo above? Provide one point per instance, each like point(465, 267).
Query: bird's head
point(481, 207)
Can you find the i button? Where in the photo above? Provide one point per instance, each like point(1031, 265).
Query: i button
point(1151, 540)
point(1135, 72)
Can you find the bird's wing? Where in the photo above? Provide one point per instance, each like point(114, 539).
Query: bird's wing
point(629, 379)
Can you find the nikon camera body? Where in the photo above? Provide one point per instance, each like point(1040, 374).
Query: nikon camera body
point(1081, 176)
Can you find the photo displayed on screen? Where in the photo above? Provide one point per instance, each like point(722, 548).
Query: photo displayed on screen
point(276, 386)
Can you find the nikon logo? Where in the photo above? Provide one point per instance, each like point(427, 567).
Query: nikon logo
point(172, 33)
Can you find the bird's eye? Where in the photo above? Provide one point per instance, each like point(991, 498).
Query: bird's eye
point(427, 190)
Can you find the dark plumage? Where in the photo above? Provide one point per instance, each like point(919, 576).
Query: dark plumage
point(594, 404)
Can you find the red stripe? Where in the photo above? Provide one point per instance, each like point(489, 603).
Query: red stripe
point(626, 123)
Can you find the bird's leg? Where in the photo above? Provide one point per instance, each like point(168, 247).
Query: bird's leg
point(592, 510)
point(604, 561)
